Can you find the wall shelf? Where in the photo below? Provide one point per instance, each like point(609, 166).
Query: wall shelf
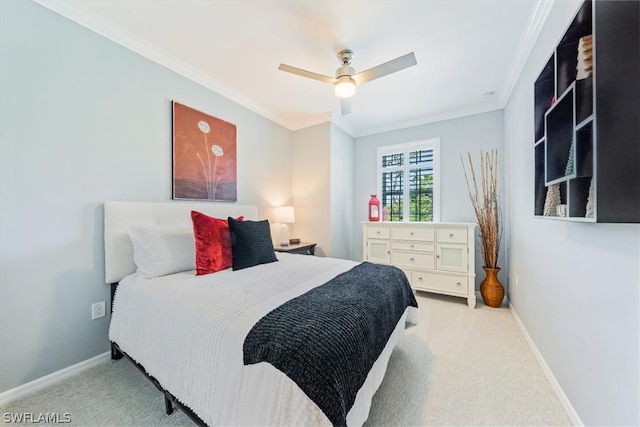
point(586, 119)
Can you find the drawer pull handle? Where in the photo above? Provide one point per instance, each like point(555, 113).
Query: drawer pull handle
point(437, 256)
point(451, 235)
point(411, 233)
point(411, 259)
point(378, 232)
point(420, 279)
point(458, 284)
point(411, 245)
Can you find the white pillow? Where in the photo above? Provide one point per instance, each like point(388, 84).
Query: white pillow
point(161, 250)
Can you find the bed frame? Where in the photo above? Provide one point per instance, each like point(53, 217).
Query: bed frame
point(118, 252)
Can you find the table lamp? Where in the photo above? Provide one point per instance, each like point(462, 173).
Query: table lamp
point(285, 215)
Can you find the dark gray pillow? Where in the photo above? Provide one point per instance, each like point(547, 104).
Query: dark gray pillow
point(250, 243)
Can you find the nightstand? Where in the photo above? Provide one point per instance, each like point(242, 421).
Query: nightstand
point(297, 248)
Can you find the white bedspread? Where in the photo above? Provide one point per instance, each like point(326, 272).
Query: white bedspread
point(188, 332)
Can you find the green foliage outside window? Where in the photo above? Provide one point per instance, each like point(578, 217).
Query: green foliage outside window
point(420, 196)
point(421, 199)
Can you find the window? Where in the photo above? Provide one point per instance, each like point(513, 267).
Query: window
point(409, 182)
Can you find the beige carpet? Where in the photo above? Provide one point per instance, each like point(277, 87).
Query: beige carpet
point(465, 367)
point(457, 367)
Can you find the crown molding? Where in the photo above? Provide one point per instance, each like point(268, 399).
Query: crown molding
point(311, 121)
point(88, 19)
point(537, 19)
point(536, 22)
point(339, 121)
point(453, 114)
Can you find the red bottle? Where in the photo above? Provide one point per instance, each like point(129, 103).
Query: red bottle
point(374, 208)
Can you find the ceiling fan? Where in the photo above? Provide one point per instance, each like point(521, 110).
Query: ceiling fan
point(347, 79)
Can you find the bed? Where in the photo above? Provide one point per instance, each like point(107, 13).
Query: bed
point(299, 340)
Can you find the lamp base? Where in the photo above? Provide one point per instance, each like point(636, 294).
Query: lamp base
point(284, 235)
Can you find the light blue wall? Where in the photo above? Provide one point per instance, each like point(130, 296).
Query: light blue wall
point(323, 188)
point(342, 174)
point(84, 120)
point(311, 176)
point(578, 292)
point(457, 137)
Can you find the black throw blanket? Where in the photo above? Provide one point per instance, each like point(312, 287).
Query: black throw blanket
point(328, 339)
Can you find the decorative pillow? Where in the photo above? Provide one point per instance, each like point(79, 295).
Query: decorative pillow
point(251, 243)
point(161, 250)
point(213, 243)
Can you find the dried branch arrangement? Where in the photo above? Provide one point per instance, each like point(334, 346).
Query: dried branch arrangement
point(486, 204)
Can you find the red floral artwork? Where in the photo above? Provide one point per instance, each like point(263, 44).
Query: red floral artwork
point(204, 156)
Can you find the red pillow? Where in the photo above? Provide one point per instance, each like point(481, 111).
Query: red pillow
point(213, 243)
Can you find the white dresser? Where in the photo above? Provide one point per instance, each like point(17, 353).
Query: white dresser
point(436, 257)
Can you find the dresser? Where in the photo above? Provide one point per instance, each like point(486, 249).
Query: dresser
point(436, 257)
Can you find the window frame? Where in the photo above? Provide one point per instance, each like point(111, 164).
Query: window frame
point(405, 148)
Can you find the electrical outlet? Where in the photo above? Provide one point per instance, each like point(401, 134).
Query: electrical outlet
point(97, 310)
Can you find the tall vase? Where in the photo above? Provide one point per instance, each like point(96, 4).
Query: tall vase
point(491, 289)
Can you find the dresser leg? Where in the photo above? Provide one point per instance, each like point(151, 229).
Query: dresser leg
point(471, 301)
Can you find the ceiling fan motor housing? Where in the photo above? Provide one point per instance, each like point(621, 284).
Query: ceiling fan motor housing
point(345, 70)
point(345, 56)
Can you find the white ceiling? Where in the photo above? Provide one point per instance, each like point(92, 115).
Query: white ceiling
point(469, 53)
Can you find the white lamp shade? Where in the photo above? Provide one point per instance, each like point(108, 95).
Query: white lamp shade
point(285, 215)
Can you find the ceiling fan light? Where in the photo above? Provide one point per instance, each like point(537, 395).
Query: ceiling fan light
point(345, 87)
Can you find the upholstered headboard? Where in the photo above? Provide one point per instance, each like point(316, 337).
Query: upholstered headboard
point(120, 216)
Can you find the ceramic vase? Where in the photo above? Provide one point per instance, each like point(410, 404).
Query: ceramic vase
point(491, 289)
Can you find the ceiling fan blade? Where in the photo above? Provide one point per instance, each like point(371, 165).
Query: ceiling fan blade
point(305, 73)
point(345, 106)
point(386, 68)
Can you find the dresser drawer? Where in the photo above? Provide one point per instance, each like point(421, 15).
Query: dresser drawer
point(452, 235)
point(376, 232)
point(413, 259)
point(442, 283)
point(412, 246)
point(411, 233)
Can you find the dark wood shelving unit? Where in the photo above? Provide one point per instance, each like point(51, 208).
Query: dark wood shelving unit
point(587, 118)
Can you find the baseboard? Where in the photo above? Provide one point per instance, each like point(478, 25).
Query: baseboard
point(573, 415)
point(43, 382)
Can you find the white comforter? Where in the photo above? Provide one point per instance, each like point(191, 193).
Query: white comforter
point(188, 332)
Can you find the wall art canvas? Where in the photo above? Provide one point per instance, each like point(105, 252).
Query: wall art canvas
point(204, 156)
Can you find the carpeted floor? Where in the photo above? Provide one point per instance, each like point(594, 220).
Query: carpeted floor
point(457, 367)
